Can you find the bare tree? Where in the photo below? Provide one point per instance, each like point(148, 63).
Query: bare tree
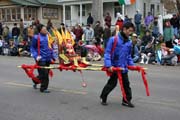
point(171, 5)
point(178, 5)
point(97, 10)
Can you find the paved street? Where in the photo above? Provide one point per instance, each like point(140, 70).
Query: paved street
point(69, 101)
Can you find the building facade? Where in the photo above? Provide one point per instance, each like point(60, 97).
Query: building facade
point(69, 11)
point(11, 11)
point(76, 11)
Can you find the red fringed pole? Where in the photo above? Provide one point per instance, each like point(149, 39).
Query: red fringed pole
point(29, 69)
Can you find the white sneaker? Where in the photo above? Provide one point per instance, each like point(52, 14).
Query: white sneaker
point(142, 62)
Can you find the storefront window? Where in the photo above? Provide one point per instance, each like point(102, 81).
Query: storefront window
point(30, 13)
point(1, 15)
point(10, 14)
point(83, 10)
point(68, 13)
point(50, 13)
point(117, 9)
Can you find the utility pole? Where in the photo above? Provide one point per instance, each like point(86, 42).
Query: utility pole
point(97, 10)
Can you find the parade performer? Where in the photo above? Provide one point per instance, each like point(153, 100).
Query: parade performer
point(118, 54)
point(117, 61)
point(43, 55)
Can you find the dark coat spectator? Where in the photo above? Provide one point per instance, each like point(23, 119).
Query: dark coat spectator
point(108, 20)
point(21, 25)
point(1, 29)
point(174, 21)
point(127, 19)
point(147, 54)
point(98, 32)
point(49, 25)
point(155, 31)
point(90, 19)
point(146, 38)
point(137, 21)
point(106, 35)
point(15, 30)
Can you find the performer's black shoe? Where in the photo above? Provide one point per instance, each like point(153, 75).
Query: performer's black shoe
point(35, 86)
point(103, 101)
point(45, 91)
point(127, 104)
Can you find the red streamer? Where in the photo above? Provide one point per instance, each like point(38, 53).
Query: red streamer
point(118, 70)
point(29, 70)
point(140, 69)
point(121, 85)
point(145, 82)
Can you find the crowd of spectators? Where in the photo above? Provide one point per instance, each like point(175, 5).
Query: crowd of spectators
point(148, 44)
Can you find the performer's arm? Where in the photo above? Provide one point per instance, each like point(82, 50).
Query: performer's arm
point(130, 60)
point(34, 48)
point(107, 55)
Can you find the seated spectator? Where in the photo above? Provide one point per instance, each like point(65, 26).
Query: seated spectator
point(147, 53)
point(23, 49)
point(135, 51)
point(158, 41)
point(176, 47)
point(15, 34)
point(145, 40)
point(13, 50)
point(6, 34)
point(167, 56)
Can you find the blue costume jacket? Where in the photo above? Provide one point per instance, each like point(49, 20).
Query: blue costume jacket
point(45, 52)
point(121, 56)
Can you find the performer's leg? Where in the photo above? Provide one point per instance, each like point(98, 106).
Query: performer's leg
point(111, 84)
point(44, 76)
point(127, 87)
point(39, 76)
point(128, 91)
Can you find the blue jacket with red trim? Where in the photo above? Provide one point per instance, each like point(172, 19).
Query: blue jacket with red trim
point(121, 56)
point(45, 52)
